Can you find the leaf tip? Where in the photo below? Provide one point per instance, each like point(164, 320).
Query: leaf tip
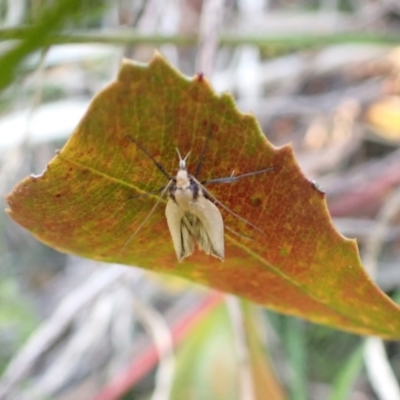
point(157, 56)
point(200, 78)
point(317, 188)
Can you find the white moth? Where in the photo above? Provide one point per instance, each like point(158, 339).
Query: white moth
point(192, 217)
point(191, 213)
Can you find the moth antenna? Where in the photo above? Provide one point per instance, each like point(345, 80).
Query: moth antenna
point(200, 163)
point(182, 161)
point(227, 208)
point(237, 233)
point(232, 178)
point(157, 164)
point(147, 193)
point(146, 219)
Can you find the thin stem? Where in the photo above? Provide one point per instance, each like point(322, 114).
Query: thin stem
point(210, 26)
point(132, 37)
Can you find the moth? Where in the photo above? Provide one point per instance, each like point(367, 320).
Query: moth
point(191, 211)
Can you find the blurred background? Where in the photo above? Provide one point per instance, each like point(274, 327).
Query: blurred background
point(321, 74)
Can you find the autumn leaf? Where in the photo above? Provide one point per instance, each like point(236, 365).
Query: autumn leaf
point(92, 197)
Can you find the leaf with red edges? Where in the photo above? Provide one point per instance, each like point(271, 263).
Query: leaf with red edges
point(90, 200)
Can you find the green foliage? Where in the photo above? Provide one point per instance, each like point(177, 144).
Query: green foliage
point(17, 320)
point(47, 19)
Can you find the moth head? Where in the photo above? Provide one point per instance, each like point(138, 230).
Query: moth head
point(182, 161)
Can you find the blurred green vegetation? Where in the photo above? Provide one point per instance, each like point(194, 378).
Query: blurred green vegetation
point(18, 319)
point(45, 19)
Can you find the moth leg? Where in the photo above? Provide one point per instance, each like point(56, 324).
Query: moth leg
point(215, 200)
point(156, 163)
point(233, 178)
point(147, 218)
point(147, 193)
point(203, 151)
point(237, 233)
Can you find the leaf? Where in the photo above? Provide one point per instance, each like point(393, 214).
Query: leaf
point(90, 200)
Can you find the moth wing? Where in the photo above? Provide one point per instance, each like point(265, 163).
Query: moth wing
point(209, 228)
point(180, 229)
point(186, 237)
